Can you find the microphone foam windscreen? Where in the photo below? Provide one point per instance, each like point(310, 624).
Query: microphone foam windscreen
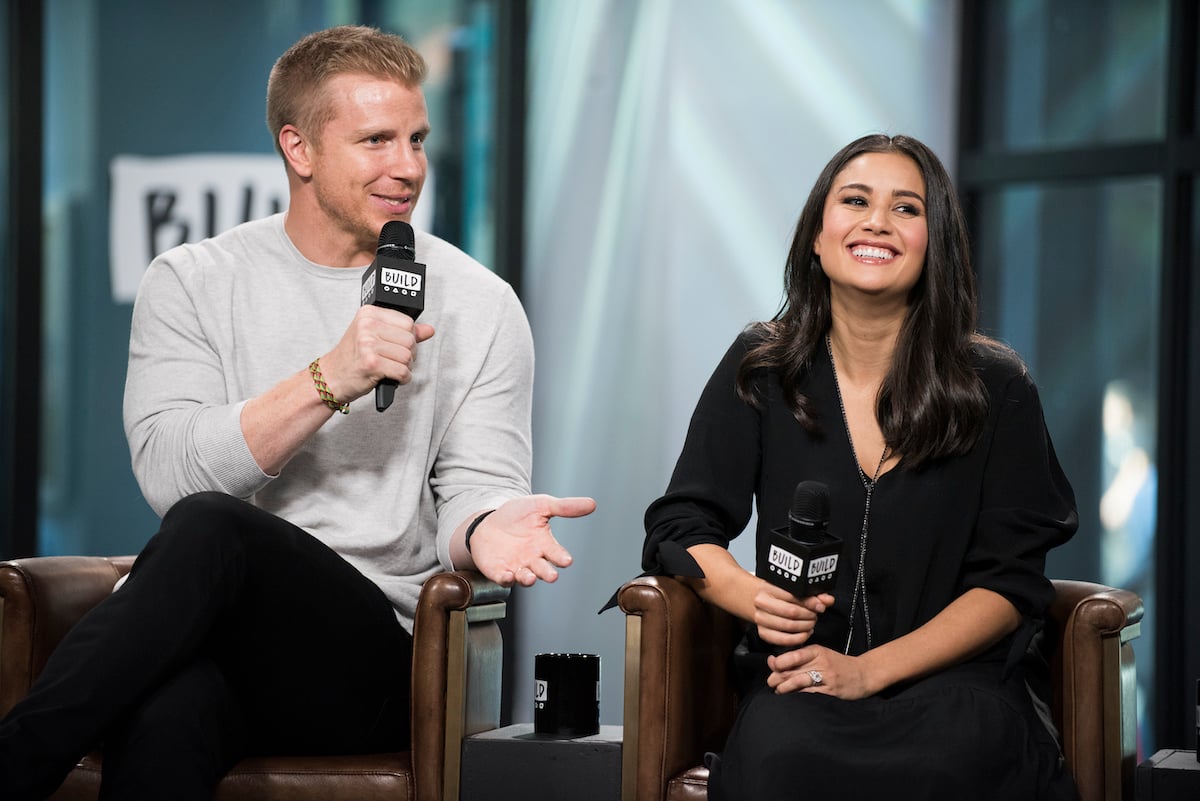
point(397, 235)
point(810, 501)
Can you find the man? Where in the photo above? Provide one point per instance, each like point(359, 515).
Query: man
point(251, 376)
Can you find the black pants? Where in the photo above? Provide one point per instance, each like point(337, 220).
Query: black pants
point(237, 633)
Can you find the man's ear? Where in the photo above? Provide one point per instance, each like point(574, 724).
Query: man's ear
point(296, 150)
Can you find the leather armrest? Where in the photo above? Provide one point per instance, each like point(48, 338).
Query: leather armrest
point(1095, 701)
point(680, 698)
point(457, 674)
point(1108, 609)
point(40, 600)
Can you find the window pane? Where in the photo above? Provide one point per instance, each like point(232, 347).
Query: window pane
point(4, 145)
point(1070, 278)
point(6, 447)
point(1066, 73)
point(1195, 66)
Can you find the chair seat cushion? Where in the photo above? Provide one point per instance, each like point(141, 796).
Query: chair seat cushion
point(372, 777)
point(691, 785)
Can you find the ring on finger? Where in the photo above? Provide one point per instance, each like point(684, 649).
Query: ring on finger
point(816, 677)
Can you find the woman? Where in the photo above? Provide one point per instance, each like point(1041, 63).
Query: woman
point(944, 487)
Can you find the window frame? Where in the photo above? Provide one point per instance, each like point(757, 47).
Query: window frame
point(1175, 161)
point(21, 340)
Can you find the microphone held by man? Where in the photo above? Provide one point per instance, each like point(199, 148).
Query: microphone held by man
point(394, 280)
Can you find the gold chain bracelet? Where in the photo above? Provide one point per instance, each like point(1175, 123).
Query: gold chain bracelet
point(323, 389)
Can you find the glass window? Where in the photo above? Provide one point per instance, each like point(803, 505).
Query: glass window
point(4, 150)
point(1070, 278)
point(1194, 66)
point(458, 41)
point(6, 448)
point(4, 146)
point(1067, 73)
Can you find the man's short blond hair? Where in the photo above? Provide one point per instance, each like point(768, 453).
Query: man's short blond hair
point(296, 90)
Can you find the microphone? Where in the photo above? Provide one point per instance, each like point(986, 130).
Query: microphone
point(802, 557)
point(394, 281)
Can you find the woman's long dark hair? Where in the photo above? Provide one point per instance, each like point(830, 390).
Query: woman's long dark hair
point(932, 402)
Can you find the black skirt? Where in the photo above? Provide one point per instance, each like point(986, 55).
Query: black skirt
point(966, 733)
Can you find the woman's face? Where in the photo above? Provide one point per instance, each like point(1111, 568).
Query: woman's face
point(873, 234)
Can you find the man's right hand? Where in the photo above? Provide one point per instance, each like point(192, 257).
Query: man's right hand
point(380, 343)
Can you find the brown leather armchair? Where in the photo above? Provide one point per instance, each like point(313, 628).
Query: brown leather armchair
point(680, 701)
point(456, 684)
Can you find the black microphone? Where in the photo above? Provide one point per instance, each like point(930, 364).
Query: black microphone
point(394, 281)
point(802, 557)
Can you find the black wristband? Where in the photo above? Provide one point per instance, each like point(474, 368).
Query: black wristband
point(471, 529)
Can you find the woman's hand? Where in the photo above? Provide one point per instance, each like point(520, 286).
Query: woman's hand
point(973, 622)
point(783, 619)
point(817, 669)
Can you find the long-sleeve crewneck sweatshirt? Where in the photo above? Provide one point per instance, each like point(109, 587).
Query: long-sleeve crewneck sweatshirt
point(221, 321)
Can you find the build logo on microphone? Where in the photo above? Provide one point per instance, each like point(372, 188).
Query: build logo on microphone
point(784, 563)
point(791, 567)
point(822, 567)
point(401, 282)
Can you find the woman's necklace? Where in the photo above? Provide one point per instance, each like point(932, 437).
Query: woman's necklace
point(860, 582)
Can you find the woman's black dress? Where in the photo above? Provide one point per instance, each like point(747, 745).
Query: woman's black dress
point(985, 519)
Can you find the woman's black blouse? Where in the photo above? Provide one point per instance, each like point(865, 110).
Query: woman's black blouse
point(984, 519)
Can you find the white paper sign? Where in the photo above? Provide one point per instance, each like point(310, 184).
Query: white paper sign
point(160, 202)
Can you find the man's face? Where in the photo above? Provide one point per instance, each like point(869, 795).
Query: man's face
point(369, 164)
